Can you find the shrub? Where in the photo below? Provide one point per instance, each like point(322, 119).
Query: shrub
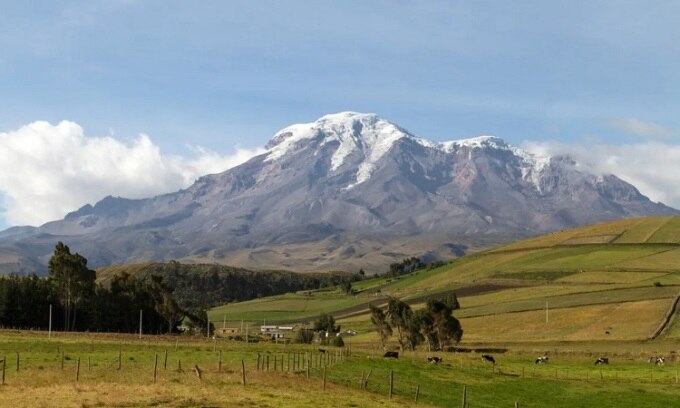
point(338, 341)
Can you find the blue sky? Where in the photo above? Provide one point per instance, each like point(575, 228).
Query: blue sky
point(216, 75)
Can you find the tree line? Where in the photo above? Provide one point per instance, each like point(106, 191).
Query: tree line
point(168, 294)
point(78, 303)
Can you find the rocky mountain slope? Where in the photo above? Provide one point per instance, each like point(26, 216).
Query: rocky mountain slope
point(349, 190)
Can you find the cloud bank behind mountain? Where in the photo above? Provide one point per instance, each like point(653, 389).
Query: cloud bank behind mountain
point(49, 170)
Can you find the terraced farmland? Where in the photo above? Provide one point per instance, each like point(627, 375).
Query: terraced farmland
point(620, 273)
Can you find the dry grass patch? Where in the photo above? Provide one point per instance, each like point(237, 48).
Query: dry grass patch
point(623, 321)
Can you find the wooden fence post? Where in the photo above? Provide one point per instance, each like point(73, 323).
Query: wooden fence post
point(324, 379)
point(165, 360)
point(391, 383)
point(464, 396)
point(307, 366)
point(219, 363)
point(258, 361)
point(89, 363)
point(243, 372)
point(179, 365)
point(120, 358)
point(17, 370)
point(78, 370)
point(155, 368)
point(366, 379)
point(417, 392)
point(62, 359)
point(361, 384)
point(4, 364)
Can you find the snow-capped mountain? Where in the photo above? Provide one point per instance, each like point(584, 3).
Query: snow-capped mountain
point(348, 190)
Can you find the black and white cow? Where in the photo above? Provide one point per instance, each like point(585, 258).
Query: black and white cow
point(542, 360)
point(658, 360)
point(489, 358)
point(602, 360)
point(434, 360)
point(391, 354)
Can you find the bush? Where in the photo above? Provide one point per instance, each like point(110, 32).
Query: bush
point(304, 336)
point(338, 341)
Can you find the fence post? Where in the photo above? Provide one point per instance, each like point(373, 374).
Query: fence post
point(516, 404)
point(258, 361)
point(417, 392)
point(119, 358)
point(219, 363)
point(78, 370)
point(155, 368)
point(366, 379)
point(17, 363)
point(361, 384)
point(464, 396)
point(4, 364)
point(307, 367)
point(324, 379)
point(62, 359)
point(391, 382)
point(165, 360)
point(243, 372)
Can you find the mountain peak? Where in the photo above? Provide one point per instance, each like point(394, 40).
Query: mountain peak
point(365, 133)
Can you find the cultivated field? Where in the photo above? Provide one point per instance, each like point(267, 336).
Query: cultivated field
point(591, 286)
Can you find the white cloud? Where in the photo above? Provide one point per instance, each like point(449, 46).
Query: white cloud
point(639, 128)
point(652, 167)
point(47, 170)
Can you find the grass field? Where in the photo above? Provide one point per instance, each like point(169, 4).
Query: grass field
point(568, 380)
point(604, 268)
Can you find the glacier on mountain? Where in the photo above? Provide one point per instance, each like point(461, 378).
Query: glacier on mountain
point(372, 137)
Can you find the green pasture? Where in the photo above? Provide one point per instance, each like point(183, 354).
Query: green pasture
point(569, 379)
point(289, 307)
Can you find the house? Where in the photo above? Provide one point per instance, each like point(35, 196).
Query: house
point(227, 331)
point(347, 333)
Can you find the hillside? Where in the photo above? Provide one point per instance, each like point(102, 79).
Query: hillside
point(346, 191)
point(612, 281)
point(201, 286)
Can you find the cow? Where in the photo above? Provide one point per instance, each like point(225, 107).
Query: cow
point(489, 358)
point(602, 360)
point(391, 354)
point(322, 350)
point(541, 360)
point(658, 360)
point(434, 360)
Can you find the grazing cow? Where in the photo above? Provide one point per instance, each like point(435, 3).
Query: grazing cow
point(602, 360)
point(434, 360)
point(322, 350)
point(542, 360)
point(391, 354)
point(489, 358)
point(658, 360)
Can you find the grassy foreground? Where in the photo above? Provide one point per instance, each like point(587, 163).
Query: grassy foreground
point(569, 380)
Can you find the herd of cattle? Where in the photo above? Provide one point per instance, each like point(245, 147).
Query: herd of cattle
point(657, 360)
